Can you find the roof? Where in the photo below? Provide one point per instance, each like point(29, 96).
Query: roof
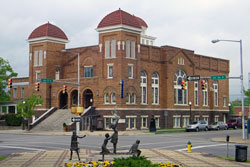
point(119, 17)
point(141, 22)
point(48, 30)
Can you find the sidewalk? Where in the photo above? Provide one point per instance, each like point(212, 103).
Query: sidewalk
point(88, 133)
point(234, 140)
point(57, 158)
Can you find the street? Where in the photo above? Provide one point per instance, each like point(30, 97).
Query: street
point(201, 142)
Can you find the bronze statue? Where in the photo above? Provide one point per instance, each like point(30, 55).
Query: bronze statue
point(74, 145)
point(114, 137)
point(134, 149)
point(104, 145)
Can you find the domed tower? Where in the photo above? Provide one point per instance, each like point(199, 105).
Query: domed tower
point(45, 45)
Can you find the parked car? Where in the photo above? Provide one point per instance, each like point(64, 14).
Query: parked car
point(234, 123)
point(197, 126)
point(218, 125)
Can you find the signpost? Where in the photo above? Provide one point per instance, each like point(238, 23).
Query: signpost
point(47, 80)
point(76, 119)
point(218, 77)
point(193, 78)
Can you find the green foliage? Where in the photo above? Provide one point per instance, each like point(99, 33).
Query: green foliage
point(25, 108)
point(64, 124)
point(2, 158)
point(12, 120)
point(247, 99)
point(6, 72)
point(133, 161)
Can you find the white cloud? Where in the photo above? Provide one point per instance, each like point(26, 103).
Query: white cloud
point(188, 24)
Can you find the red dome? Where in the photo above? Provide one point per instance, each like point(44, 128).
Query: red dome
point(141, 22)
point(48, 30)
point(119, 17)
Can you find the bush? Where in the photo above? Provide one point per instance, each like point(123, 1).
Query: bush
point(12, 120)
point(133, 161)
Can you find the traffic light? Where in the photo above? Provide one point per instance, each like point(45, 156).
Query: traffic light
point(183, 85)
point(203, 84)
point(9, 83)
point(64, 89)
point(37, 87)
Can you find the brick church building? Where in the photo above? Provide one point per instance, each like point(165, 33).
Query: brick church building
point(125, 72)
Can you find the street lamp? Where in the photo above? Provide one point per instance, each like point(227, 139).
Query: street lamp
point(241, 78)
point(190, 113)
point(78, 84)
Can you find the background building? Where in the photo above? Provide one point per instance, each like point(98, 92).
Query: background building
point(124, 73)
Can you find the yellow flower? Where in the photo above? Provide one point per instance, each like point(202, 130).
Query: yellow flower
point(68, 164)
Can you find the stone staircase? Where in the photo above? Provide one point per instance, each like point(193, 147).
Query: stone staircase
point(55, 121)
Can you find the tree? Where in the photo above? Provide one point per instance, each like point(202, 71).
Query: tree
point(247, 99)
point(25, 108)
point(6, 72)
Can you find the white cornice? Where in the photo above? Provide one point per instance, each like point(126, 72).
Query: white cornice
point(119, 27)
point(47, 39)
point(148, 37)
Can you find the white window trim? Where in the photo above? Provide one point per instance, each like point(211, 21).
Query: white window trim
point(174, 117)
point(144, 127)
point(132, 71)
point(113, 94)
point(205, 104)
point(154, 86)
point(216, 102)
point(36, 76)
point(107, 49)
point(109, 65)
point(196, 89)
point(134, 117)
point(157, 125)
point(105, 102)
point(142, 86)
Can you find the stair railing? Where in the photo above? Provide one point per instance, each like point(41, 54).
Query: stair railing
point(43, 117)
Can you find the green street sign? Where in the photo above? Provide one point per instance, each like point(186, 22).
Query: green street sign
point(218, 77)
point(47, 80)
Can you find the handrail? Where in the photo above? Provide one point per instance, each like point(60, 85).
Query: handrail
point(43, 117)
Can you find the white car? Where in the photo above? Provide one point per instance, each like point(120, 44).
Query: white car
point(197, 126)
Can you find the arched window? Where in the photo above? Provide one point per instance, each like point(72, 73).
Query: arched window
point(215, 87)
point(106, 98)
point(133, 98)
point(155, 88)
point(180, 96)
point(127, 98)
point(143, 87)
point(113, 98)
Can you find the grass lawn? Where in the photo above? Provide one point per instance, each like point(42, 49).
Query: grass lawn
point(2, 158)
point(231, 159)
point(170, 130)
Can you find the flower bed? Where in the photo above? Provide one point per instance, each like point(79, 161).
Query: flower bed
point(111, 164)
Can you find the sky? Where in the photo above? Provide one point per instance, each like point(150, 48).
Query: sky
point(189, 24)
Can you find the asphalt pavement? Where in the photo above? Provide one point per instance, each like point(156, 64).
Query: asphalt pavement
point(60, 157)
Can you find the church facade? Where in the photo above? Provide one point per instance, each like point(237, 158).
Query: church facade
point(124, 73)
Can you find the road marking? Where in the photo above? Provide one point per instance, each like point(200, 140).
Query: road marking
point(214, 145)
point(25, 148)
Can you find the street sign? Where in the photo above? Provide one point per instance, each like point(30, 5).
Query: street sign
point(76, 119)
point(218, 77)
point(193, 78)
point(47, 80)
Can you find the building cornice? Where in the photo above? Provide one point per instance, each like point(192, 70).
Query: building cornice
point(47, 39)
point(119, 27)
